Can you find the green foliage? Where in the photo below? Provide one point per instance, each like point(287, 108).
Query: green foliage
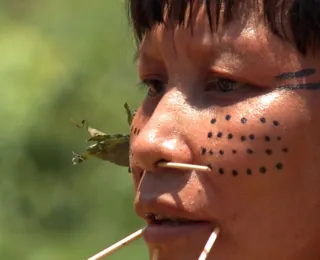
point(62, 59)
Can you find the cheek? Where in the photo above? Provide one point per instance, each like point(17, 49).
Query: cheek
point(256, 152)
point(245, 145)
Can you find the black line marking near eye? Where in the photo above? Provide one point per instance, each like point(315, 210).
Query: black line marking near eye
point(269, 152)
point(306, 86)
point(228, 117)
point(296, 74)
point(243, 120)
point(213, 121)
point(267, 139)
point(234, 151)
point(243, 138)
point(263, 120)
point(279, 138)
point(138, 131)
point(203, 151)
point(249, 151)
point(249, 171)
point(221, 152)
point(263, 170)
point(276, 123)
point(210, 134)
point(235, 172)
point(135, 131)
point(251, 137)
point(221, 171)
point(230, 136)
point(285, 150)
point(219, 135)
point(279, 166)
point(211, 152)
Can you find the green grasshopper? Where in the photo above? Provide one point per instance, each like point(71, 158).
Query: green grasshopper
point(113, 148)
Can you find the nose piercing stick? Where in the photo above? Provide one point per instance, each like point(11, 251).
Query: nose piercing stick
point(184, 166)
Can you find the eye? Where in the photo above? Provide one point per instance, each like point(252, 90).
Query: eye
point(223, 85)
point(154, 87)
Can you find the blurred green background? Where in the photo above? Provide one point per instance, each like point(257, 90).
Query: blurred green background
point(62, 59)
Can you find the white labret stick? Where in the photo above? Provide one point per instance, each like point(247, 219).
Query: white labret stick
point(209, 244)
point(155, 255)
point(184, 166)
point(108, 251)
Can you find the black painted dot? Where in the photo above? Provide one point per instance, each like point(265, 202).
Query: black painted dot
point(263, 120)
point(243, 138)
point(243, 120)
point(230, 136)
point(285, 150)
point(268, 151)
point(249, 171)
point(279, 166)
point(234, 151)
point(276, 123)
point(251, 137)
point(221, 171)
point(279, 138)
point(263, 169)
point(209, 134)
point(228, 117)
point(267, 138)
point(203, 150)
point(211, 152)
point(235, 173)
point(219, 135)
point(221, 152)
point(213, 121)
point(249, 151)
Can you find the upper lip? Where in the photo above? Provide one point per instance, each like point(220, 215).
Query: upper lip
point(153, 206)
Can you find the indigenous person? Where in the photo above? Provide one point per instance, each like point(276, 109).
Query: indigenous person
point(234, 85)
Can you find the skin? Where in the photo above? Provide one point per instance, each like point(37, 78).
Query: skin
point(262, 216)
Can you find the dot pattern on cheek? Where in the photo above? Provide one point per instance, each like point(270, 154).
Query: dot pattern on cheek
point(244, 120)
point(135, 131)
point(231, 137)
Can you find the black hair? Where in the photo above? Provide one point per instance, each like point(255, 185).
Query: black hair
point(301, 17)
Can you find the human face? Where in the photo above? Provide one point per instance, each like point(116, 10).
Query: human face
point(258, 132)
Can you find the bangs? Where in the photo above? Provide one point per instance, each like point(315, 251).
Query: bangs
point(300, 18)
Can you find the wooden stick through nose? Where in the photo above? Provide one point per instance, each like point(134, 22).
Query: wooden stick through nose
point(184, 166)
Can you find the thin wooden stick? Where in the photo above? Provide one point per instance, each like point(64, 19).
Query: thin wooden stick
point(209, 244)
point(184, 166)
point(134, 236)
point(155, 255)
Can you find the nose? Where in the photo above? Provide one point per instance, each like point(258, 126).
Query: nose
point(163, 137)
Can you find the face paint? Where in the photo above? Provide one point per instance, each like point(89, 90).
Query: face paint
point(296, 74)
point(249, 151)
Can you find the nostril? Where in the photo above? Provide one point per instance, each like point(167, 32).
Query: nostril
point(159, 161)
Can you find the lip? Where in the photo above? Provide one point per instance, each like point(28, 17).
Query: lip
point(164, 234)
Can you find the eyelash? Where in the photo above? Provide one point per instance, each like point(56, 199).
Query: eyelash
point(220, 85)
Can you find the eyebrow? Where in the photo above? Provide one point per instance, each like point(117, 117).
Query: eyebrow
point(296, 74)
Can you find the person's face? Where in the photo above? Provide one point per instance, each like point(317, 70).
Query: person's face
point(260, 141)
